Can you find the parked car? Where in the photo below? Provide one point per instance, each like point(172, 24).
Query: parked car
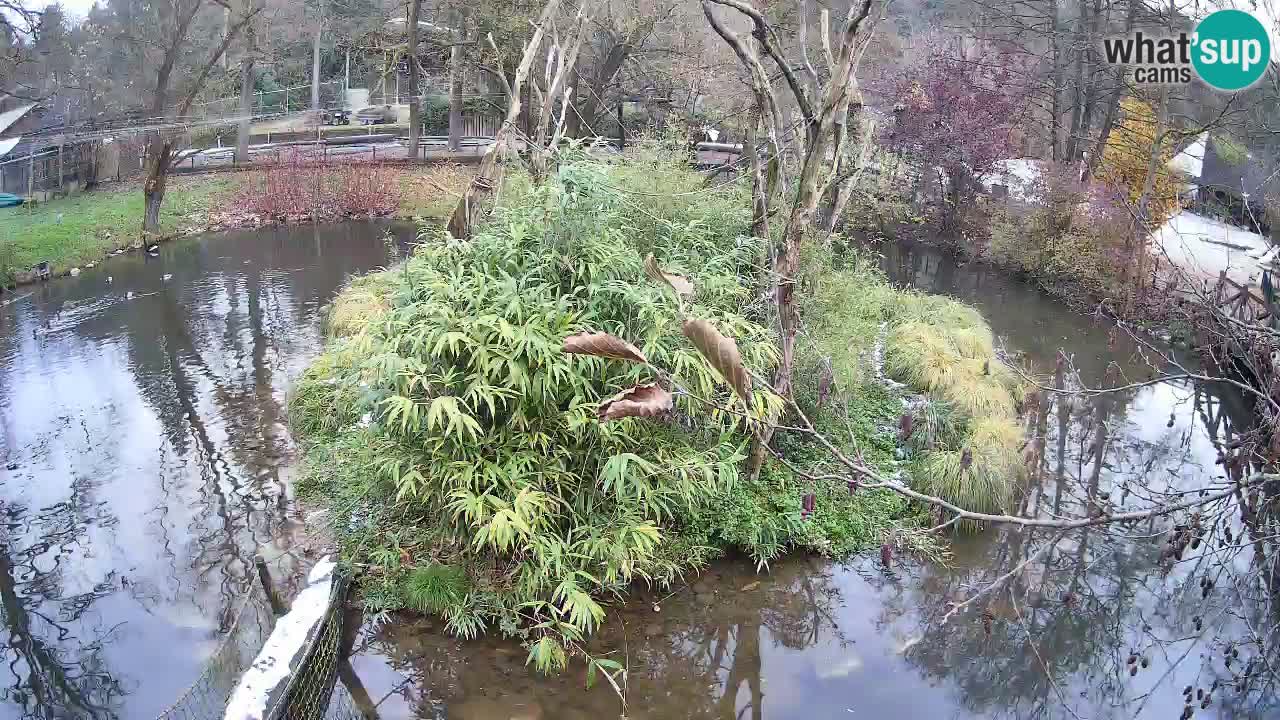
point(340, 116)
point(376, 115)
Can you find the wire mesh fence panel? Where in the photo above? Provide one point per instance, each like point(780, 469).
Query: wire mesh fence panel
point(206, 698)
point(342, 706)
point(311, 690)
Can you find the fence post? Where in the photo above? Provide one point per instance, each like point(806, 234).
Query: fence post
point(31, 174)
point(264, 577)
point(622, 131)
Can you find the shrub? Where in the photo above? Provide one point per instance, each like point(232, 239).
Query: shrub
point(944, 349)
point(435, 111)
point(935, 345)
point(303, 186)
point(879, 202)
point(1068, 232)
point(484, 452)
point(1125, 159)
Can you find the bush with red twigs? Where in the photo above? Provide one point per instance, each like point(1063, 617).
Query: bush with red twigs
point(305, 187)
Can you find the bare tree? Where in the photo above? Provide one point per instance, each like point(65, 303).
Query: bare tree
point(176, 28)
point(562, 60)
point(479, 194)
point(19, 31)
point(823, 117)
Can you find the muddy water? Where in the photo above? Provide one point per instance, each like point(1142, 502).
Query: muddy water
point(815, 639)
point(143, 456)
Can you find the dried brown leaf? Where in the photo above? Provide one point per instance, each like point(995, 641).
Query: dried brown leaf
point(647, 400)
point(721, 352)
point(603, 345)
point(679, 284)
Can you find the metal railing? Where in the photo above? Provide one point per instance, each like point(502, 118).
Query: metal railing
point(275, 102)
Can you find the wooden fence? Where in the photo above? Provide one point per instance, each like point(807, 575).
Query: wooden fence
point(1239, 301)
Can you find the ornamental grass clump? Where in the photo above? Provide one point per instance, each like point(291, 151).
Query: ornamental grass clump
point(962, 435)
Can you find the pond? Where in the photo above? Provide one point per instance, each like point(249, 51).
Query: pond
point(144, 457)
point(817, 639)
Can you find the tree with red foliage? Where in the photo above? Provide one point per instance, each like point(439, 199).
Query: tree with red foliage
point(956, 114)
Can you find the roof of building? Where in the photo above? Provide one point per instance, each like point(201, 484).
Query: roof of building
point(1190, 156)
point(1231, 166)
point(12, 116)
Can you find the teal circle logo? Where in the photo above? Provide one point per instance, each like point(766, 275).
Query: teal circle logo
point(1232, 50)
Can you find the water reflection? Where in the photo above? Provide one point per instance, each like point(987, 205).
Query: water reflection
point(816, 640)
point(142, 451)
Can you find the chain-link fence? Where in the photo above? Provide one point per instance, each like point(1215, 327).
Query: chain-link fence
point(206, 698)
point(312, 693)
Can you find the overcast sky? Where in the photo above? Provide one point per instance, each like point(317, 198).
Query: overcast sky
point(1265, 9)
point(74, 8)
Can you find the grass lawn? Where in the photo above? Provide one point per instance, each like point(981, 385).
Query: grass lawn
point(432, 192)
point(73, 231)
point(83, 228)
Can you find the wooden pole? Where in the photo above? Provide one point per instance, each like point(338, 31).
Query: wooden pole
point(622, 132)
point(264, 577)
point(31, 174)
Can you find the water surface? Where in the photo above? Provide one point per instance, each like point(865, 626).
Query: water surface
point(144, 457)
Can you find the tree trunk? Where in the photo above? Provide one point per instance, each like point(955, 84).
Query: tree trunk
point(1078, 89)
point(1091, 92)
point(573, 121)
point(1113, 104)
point(415, 122)
point(156, 164)
point(1055, 79)
point(455, 84)
point(315, 65)
point(605, 72)
point(246, 97)
point(759, 186)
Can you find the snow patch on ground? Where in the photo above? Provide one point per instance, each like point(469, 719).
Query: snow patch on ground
point(270, 671)
point(1191, 160)
point(1018, 174)
point(1204, 247)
